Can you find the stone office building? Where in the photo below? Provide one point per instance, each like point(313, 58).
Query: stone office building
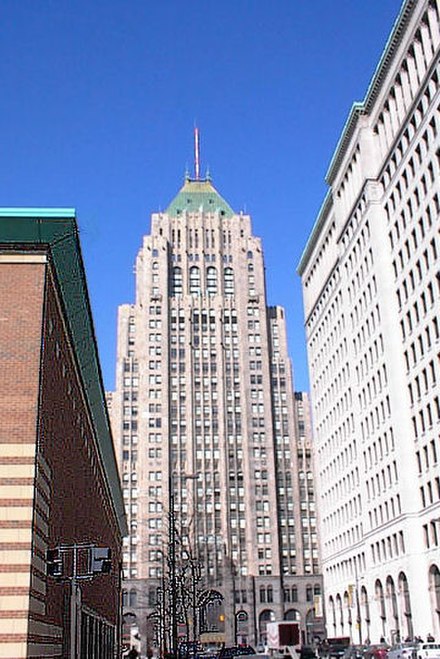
point(203, 415)
point(370, 275)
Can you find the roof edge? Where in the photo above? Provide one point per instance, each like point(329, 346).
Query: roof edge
point(365, 106)
point(63, 213)
point(316, 230)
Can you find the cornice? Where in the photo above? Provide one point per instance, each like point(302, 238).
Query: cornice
point(324, 211)
point(374, 88)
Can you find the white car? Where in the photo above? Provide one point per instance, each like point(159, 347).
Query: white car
point(427, 651)
point(403, 651)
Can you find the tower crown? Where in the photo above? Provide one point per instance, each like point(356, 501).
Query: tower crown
point(198, 195)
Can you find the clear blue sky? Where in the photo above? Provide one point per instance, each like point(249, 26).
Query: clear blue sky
point(99, 100)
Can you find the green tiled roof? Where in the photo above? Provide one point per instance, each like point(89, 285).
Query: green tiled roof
point(56, 229)
point(196, 195)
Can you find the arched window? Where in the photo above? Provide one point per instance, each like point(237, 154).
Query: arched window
point(365, 608)
point(124, 598)
point(340, 614)
point(133, 597)
point(262, 594)
point(250, 255)
point(347, 607)
point(194, 280)
point(434, 589)
point(265, 616)
point(269, 594)
point(405, 605)
point(176, 284)
point(242, 618)
point(229, 281)
point(380, 604)
point(333, 613)
point(211, 281)
point(391, 595)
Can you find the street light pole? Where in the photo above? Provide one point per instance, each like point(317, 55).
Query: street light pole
point(358, 605)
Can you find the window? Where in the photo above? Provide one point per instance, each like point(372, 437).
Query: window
point(176, 287)
point(229, 281)
point(211, 281)
point(194, 280)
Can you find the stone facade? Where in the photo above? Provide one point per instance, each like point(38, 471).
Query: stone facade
point(371, 298)
point(204, 411)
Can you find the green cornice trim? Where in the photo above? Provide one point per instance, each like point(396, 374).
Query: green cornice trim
point(374, 87)
point(38, 212)
point(324, 211)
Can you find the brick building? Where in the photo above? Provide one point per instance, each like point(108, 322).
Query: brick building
point(59, 485)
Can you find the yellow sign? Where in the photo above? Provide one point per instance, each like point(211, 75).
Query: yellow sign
point(350, 595)
point(317, 603)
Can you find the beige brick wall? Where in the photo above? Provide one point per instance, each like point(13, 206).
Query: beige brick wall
point(21, 304)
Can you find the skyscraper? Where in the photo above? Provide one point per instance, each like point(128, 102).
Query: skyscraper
point(370, 275)
point(203, 416)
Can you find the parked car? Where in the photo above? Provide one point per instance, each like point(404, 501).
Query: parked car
point(336, 651)
point(355, 652)
point(307, 652)
point(334, 647)
point(235, 651)
point(427, 651)
point(402, 650)
point(378, 651)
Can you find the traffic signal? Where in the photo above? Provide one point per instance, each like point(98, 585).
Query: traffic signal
point(100, 560)
point(54, 563)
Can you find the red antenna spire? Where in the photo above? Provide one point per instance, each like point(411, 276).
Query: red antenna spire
point(196, 153)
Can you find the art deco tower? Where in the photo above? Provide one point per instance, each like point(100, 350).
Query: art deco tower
point(204, 411)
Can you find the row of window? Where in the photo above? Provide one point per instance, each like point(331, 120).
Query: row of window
point(195, 283)
point(426, 417)
point(344, 539)
point(384, 512)
point(407, 85)
point(387, 548)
